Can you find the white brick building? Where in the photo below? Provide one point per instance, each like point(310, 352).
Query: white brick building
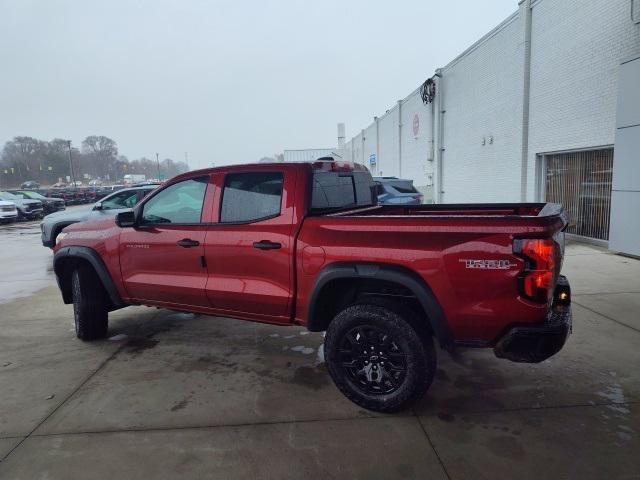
point(515, 112)
point(307, 154)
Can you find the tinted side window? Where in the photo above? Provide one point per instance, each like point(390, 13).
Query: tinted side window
point(178, 203)
point(248, 197)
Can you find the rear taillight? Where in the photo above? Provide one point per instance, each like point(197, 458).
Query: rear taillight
point(543, 259)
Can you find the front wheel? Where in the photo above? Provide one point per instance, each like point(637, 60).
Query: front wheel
point(377, 359)
point(90, 311)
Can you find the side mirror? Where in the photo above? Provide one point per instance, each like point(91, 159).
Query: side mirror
point(98, 206)
point(126, 219)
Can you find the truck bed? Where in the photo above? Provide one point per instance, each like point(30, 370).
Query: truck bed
point(517, 210)
point(512, 218)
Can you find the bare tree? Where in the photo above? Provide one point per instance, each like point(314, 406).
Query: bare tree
point(28, 158)
point(23, 154)
point(101, 155)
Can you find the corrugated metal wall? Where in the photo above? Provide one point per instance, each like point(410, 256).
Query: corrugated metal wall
point(581, 182)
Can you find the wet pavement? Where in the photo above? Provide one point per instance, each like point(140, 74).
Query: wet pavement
point(26, 264)
point(173, 395)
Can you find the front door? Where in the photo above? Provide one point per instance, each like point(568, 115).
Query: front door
point(249, 250)
point(162, 260)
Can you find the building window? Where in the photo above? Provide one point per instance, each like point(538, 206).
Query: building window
point(581, 182)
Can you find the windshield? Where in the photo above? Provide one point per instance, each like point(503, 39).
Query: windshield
point(404, 187)
point(33, 195)
point(126, 199)
point(8, 196)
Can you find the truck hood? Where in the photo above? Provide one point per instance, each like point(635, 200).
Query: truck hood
point(74, 215)
point(92, 233)
point(24, 202)
point(92, 224)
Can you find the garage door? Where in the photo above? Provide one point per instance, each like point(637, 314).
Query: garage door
point(581, 182)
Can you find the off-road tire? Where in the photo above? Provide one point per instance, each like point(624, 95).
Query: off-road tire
point(89, 304)
point(415, 342)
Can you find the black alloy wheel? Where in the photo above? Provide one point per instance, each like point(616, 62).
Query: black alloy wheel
point(373, 360)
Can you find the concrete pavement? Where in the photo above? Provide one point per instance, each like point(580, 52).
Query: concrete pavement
point(180, 395)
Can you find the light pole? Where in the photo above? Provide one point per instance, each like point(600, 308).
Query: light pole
point(158, 162)
point(73, 177)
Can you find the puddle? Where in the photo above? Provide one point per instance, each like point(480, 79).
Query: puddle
point(312, 377)
point(117, 338)
point(136, 346)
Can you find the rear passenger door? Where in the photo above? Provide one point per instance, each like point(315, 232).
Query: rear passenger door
point(249, 249)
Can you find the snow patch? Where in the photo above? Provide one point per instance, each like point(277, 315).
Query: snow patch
point(320, 355)
point(302, 349)
point(613, 393)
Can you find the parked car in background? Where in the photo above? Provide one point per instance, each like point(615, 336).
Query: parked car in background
point(53, 224)
point(113, 188)
point(27, 209)
point(133, 178)
point(95, 193)
point(396, 191)
point(49, 205)
point(95, 183)
point(8, 212)
point(30, 184)
point(65, 195)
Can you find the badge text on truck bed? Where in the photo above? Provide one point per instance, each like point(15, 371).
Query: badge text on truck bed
point(488, 264)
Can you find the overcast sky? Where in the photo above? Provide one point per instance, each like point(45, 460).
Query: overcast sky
point(227, 81)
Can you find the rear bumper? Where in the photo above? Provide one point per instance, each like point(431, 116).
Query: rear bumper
point(535, 343)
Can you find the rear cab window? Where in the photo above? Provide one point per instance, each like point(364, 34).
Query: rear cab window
point(249, 197)
point(338, 190)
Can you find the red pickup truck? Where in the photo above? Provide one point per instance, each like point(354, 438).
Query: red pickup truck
point(307, 244)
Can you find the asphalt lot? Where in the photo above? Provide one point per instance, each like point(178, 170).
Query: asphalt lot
point(174, 395)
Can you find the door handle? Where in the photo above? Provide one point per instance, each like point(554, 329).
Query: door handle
point(266, 245)
point(188, 243)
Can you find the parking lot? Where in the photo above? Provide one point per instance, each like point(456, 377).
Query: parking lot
point(179, 395)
